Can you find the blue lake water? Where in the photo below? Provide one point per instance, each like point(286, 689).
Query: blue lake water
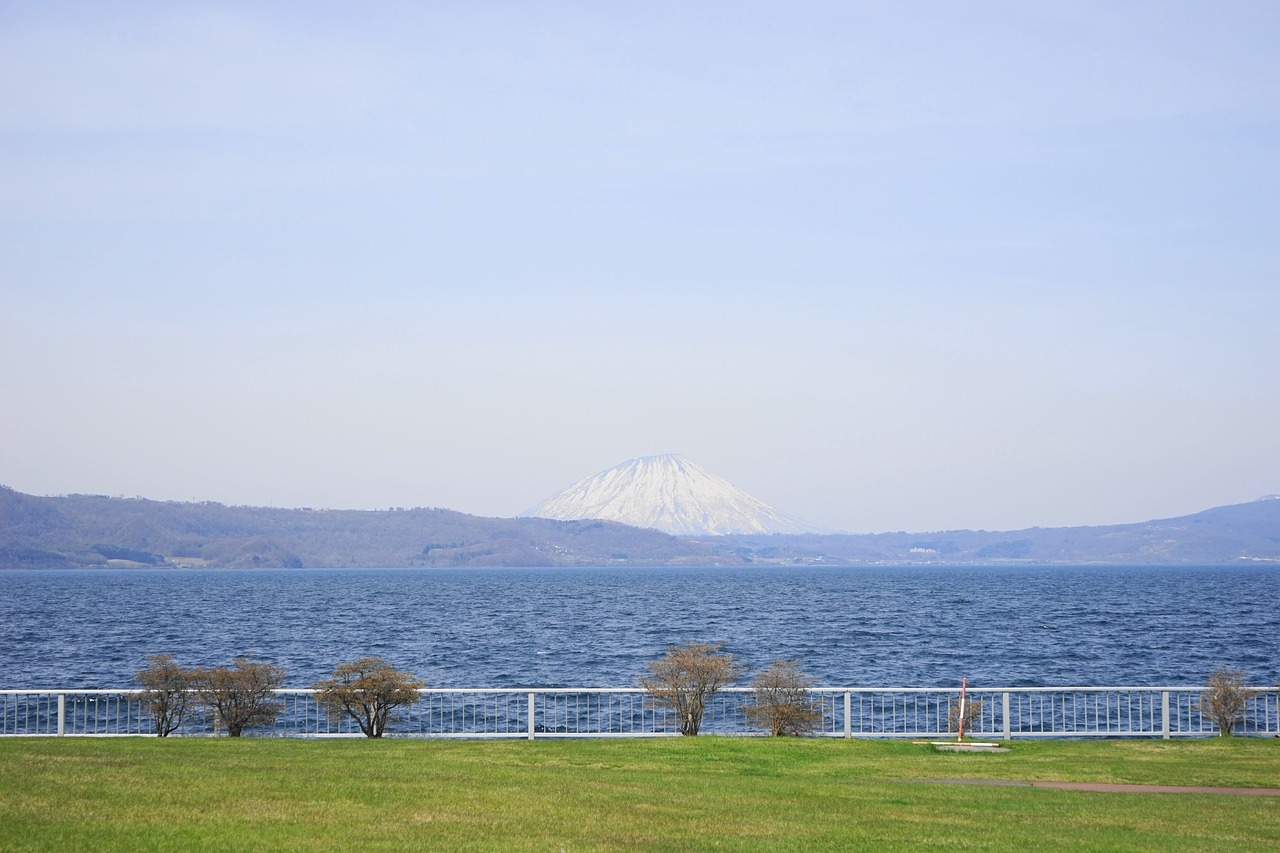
point(881, 626)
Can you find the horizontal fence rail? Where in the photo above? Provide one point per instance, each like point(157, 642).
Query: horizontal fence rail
point(853, 712)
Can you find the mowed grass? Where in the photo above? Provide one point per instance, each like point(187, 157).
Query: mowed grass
point(680, 794)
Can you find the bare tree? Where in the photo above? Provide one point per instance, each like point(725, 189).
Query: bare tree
point(242, 694)
point(971, 715)
point(781, 700)
point(367, 690)
point(686, 679)
point(1225, 698)
point(166, 693)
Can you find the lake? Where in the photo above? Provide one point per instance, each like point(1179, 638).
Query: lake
point(1012, 625)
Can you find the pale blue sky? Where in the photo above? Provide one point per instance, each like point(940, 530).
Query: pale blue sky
point(884, 265)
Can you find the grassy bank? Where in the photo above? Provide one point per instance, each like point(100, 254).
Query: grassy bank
point(678, 794)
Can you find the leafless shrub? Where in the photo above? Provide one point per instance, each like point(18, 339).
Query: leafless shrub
point(687, 677)
point(781, 701)
point(166, 692)
point(242, 694)
point(1225, 698)
point(367, 690)
point(971, 715)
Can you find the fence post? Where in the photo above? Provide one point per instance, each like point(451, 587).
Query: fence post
point(848, 715)
point(1004, 712)
point(531, 715)
point(62, 714)
point(1164, 714)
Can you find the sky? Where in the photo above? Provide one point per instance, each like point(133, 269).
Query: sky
point(886, 266)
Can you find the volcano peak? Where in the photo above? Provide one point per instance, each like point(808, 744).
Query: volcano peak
point(671, 493)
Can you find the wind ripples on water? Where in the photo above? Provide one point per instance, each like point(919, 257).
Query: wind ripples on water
point(882, 626)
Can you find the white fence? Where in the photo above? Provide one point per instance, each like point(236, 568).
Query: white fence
point(880, 712)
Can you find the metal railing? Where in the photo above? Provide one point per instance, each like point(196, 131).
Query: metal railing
point(865, 712)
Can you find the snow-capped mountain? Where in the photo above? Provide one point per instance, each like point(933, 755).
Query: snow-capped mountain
point(671, 494)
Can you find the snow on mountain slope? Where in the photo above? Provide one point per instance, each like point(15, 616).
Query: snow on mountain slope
point(671, 494)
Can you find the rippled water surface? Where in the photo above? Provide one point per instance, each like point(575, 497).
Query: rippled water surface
point(905, 626)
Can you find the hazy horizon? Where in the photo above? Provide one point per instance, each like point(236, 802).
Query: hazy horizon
point(528, 511)
point(884, 266)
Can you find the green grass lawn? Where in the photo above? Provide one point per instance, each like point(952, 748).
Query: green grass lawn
point(682, 793)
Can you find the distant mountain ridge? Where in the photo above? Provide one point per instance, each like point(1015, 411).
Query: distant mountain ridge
point(669, 493)
point(1248, 532)
point(86, 531)
point(90, 531)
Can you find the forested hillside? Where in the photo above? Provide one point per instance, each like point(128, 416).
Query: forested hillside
point(94, 530)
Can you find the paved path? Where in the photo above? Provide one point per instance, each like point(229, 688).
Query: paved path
point(1105, 787)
